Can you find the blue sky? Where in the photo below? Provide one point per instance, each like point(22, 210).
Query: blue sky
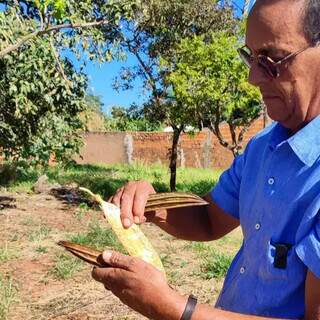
point(101, 78)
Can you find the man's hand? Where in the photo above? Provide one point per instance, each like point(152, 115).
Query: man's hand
point(132, 199)
point(140, 286)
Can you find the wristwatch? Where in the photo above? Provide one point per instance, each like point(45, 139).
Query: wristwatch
point(189, 309)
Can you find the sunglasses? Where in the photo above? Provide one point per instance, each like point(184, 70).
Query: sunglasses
point(271, 67)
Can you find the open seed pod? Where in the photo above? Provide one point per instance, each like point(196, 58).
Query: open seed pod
point(133, 239)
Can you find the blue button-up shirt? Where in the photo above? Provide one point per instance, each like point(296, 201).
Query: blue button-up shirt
point(273, 188)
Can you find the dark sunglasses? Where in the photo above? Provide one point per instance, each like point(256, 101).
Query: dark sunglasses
point(271, 67)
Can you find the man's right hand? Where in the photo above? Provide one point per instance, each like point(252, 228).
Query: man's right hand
point(132, 199)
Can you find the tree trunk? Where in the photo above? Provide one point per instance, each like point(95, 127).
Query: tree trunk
point(173, 157)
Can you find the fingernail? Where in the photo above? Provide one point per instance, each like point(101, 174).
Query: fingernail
point(106, 255)
point(126, 222)
point(136, 219)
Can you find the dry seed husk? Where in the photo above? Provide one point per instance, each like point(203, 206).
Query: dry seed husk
point(85, 253)
point(141, 248)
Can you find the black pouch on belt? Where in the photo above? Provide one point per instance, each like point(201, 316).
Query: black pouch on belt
point(281, 255)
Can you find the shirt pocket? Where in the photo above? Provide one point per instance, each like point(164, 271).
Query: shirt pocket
point(295, 269)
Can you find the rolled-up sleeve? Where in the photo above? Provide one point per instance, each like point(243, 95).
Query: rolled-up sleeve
point(226, 192)
point(308, 249)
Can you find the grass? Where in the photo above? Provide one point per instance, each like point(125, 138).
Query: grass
point(81, 211)
point(213, 263)
point(66, 266)
point(7, 254)
point(105, 180)
point(41, 249)
point(28, 221)
point(41, 232)
point(99, 238)
point(7, 296)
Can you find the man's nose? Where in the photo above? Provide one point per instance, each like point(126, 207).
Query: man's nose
point(257, 75)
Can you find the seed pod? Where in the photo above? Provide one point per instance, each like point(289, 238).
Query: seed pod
point(133, 239)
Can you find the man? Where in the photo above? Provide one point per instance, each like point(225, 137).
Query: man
point(272, 191)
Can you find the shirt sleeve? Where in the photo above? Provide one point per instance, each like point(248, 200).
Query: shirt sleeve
point(226, 192)
point(308, 249)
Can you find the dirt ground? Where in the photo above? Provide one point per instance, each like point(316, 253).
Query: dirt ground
point(30, 227)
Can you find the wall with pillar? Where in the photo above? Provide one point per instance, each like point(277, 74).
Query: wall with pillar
point(201, 150)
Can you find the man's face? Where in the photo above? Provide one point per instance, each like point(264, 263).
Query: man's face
point(275, 30)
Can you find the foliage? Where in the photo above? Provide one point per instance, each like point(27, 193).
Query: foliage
point(93, 116)
point(210, 82)
point(130, 119)
point(159, 28)
point(105, 180)
point(89, 25)
point(39, 112)
point(42, 95)
point(94, 103)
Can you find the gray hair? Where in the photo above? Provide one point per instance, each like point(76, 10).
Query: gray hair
point(311, 21)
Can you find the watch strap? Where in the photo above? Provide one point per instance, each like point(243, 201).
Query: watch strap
point(189, 309)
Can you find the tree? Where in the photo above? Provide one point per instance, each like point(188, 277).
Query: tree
point(42, 95)
point(92, 24)
point(159, 27)
point(39, 115)
point(210, 81)
point(93, 116)
point(129, 119)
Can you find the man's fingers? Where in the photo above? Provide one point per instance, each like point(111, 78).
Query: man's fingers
point(106, 276)
point(116, 198)
point(140, 200)
point(126, 204)
point(116, 276)
point(118, 260)
point(132, 199)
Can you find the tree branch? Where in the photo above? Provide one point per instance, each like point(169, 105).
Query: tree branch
point(148, 73)
point(49, 30)
point(60, 67)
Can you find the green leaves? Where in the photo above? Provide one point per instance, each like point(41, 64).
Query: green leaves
point(39, 113)
point(208, 77)
point(41, 93)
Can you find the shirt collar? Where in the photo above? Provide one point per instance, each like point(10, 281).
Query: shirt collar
point(305, 143)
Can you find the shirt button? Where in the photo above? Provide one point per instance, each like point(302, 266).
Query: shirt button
point(242, 270)
point(257, 226)
point(271, 181)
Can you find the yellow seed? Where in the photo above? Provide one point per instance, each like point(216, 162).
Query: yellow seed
point(133, 239)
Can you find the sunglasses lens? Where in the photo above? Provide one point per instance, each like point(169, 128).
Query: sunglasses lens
point(266, 64)
point(245, 57)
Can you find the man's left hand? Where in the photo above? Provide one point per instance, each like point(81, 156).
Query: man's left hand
point(140, 286)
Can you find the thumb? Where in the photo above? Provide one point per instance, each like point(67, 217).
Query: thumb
point(118, 260)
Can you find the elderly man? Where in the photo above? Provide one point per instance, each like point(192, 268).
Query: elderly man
point(272, 191)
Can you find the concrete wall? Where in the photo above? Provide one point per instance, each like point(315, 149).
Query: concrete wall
point(201, 151)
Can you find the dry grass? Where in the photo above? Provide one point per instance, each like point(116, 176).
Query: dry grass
point(43, 282)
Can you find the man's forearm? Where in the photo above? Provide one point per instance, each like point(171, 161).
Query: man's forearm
point(206, 312)
point(190, 223)
point(198, 223)
point(203, 312)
